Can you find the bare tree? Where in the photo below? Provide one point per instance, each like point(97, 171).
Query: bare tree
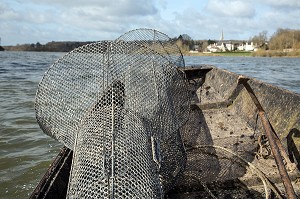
point(285, 39)
point(260, 39)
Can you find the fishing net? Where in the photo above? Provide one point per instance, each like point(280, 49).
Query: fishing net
point(156, 41)
point(122, 106)
point(119, 106)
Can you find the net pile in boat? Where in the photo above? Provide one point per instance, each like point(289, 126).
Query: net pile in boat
point(118, 105)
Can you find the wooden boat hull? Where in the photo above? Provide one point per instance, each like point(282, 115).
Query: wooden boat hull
point(224, 135)
point(55, 181)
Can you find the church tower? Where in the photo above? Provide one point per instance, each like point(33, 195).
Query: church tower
point(222, 36)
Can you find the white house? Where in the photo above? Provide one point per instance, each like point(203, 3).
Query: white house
point(220, 47)
point(229, 46)
point(247, 47)
point(215, 47)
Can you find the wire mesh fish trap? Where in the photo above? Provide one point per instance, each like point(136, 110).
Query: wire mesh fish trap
point(158, 42)
point(118, 105)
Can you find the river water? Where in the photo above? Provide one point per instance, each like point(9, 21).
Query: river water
point(26, 152)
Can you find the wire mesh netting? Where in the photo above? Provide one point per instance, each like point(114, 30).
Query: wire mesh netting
point(118, 105)
point(123, 107)
point(156, 41)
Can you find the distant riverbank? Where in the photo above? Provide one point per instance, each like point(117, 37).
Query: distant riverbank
point(54, 46)
point(239, 54)
point(68, 46)
point(259, 53)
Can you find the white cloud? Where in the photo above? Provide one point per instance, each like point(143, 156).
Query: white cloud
point(283, 3)
point(105, 19)
point(231, 8)
point(163, 4)
point(58, 20)
point(46, 20)
point(275, 19)
point(7, 13)
point(120, 7)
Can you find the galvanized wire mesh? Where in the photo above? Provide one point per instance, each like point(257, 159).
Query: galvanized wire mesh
point(118, 105)
point(157, 41)
point(113, 158)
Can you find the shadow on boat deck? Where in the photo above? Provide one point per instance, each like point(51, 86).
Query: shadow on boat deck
point(293, 152)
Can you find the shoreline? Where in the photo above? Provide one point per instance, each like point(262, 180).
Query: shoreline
point(273, 53)
point(221, 54)
point(260, 53)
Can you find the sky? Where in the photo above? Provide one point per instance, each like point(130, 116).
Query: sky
point(32, 21)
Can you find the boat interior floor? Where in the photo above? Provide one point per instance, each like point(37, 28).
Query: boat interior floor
point(228, 154)
point(220, 147)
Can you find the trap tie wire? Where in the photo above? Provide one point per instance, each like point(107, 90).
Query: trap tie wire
point(119, 106)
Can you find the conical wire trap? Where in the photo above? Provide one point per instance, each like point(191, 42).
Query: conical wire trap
point(118, 105)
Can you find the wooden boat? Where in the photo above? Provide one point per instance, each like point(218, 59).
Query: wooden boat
point(242, 141)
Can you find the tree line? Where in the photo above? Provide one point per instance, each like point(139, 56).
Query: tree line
point(280, 40)
point(285, 39)
point(54, 46)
